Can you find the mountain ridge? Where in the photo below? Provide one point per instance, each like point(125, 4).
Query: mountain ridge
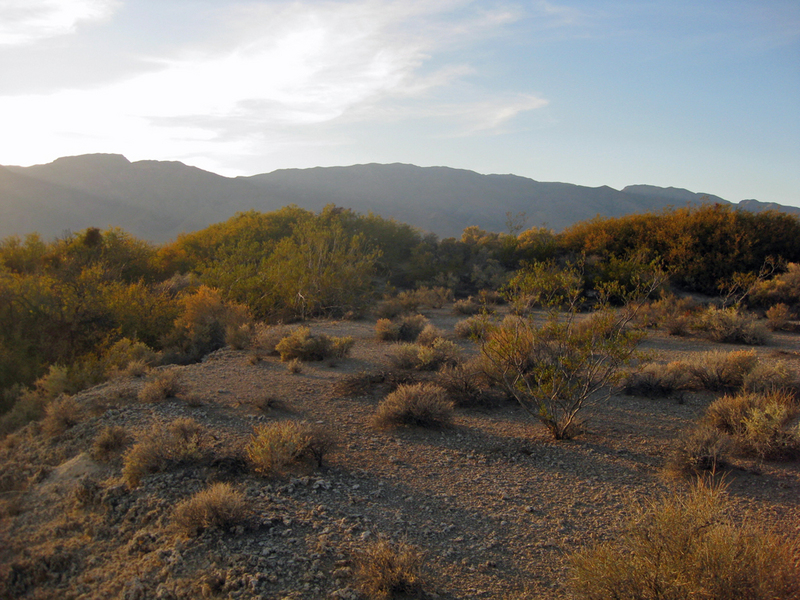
point(157, 200)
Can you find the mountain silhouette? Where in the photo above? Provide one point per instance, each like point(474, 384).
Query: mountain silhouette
point(157, 200)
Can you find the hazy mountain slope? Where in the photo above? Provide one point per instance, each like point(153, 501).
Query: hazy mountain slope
point(157, 200)
point(30, 204)
point(447, 200)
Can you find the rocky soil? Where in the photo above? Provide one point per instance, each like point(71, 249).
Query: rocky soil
point(495, 505)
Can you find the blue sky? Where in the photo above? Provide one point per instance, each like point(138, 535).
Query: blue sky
point(700, 95)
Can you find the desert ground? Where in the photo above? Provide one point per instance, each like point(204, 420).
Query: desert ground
point(493, 503)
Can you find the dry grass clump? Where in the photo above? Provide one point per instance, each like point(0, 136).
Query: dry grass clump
point(700, 450)
point(429, 335)
point(61, 414)
point(778, 316)
point(405, 329)
point(769, 377)
point(219, 506)
point(467, 384)
point(184, 440)
point(469, 306)
point(669, 312)
point(294, 366)
point(421, 404)
point(424, 358)
point(717, 370)
point(730, 326)
point(657, 380)
point(109, 442)
point(760, 424)
point(685, 546)
point(300, 344)
point(166, 384)
point(267, 337)
point(385, 570)
point(276, 446)
point(476, 327)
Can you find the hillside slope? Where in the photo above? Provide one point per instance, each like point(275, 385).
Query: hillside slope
point(157, 200)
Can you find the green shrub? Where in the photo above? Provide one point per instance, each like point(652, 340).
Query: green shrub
point(422, 404)
point(274, 447)
point(429, 335)
point(760, 424)
point(385, 570)
point(476, 327)
point(219, 506)
point(300, 344)
point(686, 546)
point(730, 326)
point(424, 358)
point(770, 376)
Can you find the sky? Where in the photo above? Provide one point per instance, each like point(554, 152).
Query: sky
point(698, 95)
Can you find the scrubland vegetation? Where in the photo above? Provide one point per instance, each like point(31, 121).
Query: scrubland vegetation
point(415, 339)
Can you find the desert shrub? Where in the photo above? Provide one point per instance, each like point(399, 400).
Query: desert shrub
point(60, 415)
point(769, 377)
point(731, 326)
point(267, 337)
point(424, 358)
point(701, 449)
point(201, 327)
point(421, 404)
point(406, 329)
point(466, 384)
point(429, 335)
point(469, 306)
point(220, 506)
point(435, 297)
point(476, 327)
point(357, 384)
point(184, 440)
point(389, 308)
point(385, 570)
point(718, 370)
point(657, 380)
point(166, 384)
point(300, 344)
point(274, 447)
point(129, 357)
point(778, 316)
point(409, 300)
point(781, 289)
point(669, 312)
point(556, 369)
point(686, 546)
point(294, 366)
point(758, 423)
point(239, 336)
point(109, 442)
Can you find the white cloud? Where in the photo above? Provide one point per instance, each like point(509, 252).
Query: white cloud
point(26, 21)
point(275, 69)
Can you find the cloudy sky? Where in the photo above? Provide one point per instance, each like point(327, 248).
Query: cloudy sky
point(701, 95)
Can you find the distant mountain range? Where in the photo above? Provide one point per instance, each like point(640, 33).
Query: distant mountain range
point(157, 200)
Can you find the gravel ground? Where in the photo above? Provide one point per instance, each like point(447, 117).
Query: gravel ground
point(494, 504)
